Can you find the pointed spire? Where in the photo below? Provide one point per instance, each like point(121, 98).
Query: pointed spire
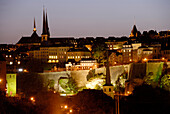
point(47, 28)
point(108, 81)
point(34, 26)
point(44, 31)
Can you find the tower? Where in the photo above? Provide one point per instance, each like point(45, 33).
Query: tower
point(108, 87)
point(134, 32)
point(45, 32)
point(34, 26)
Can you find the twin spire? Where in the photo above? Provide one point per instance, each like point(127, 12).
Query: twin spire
point(45, 30)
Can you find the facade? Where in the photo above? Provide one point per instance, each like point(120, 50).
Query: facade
point(78, 53)
point(2, 73)
point(11, 84)
point(165, 53)
point(145, 52)
point(50, 54)
point(127, 52)
point(115, 58)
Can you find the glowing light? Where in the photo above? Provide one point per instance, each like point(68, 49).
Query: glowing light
point(10, 63)
point(65, 106)
point(71, 110)
point(19, 62)
point(25, 70)
point(20, 69)
point(145, 59)
point(130, 60)
point(163, 58)
point(0, 80)
point(32, 98)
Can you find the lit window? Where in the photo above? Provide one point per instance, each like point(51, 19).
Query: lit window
point(10, 63)
point(19, 62)
point(56, 57)
point(53, 61)
point(78, 56)
point(9, 55)
point(49, 61)
point(6, 55)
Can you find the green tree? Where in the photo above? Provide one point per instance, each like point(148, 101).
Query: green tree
point(72, 85)
point(99, 51)
point(165, 82)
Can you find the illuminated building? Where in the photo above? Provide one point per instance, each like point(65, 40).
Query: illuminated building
point(11, 84)
point(50, 54)
point(134, 32)
point(115, 43)
point(127, 52)
point(115, 58)
point(78, 53)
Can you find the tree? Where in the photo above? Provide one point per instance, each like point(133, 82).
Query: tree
point(165, 82)
point(99, 51)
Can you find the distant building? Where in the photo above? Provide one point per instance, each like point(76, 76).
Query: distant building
point(164, 34)
point(145, 52)
point(127, 52)
point(2, 73)
point(165, 52)
point(50, 54)
point(115, 43)
point(134, 32)
point(115, 58)
point(11, 84)
point(78, 53)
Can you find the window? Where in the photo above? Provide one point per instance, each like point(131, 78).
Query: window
point(109, 89)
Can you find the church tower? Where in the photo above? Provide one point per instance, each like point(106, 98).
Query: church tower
point(134, 32)
point(108, 87)
point(45, 32)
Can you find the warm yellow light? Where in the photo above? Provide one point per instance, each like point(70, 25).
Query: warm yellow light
point(25, 70)
point(71, 110)
point(19, 62)
point(145, 59)
point(0, 80)
point(130, 60)
point(34, 29)
point(163, 58)
point(10, 63)
point(32, 98)
point(65, 106)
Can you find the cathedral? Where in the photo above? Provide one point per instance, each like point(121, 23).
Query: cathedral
point(44, 40)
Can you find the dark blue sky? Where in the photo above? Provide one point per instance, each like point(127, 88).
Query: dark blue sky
point(82, 18)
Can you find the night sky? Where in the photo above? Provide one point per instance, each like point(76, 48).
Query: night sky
point(82, 18)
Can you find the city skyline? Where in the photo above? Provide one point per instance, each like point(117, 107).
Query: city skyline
point(88, 18)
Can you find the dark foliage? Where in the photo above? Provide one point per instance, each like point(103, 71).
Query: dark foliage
point(146, 100)
point(93, 102)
